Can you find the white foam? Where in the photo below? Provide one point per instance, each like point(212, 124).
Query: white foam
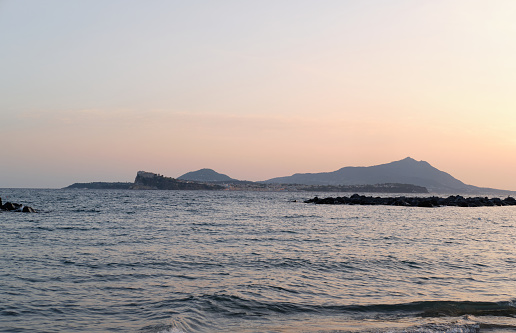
point(172, 330)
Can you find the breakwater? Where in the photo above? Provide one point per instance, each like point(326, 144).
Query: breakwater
point(453, 200)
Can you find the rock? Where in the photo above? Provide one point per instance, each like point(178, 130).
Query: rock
point(456, 200)
point(400, 202)
point(425, 203)
point(27, 209)
point(314, 200)
point(11, 206)
point(498, 201)
point(16, 207)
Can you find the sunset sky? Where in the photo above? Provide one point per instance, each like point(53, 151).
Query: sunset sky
point(96, 90)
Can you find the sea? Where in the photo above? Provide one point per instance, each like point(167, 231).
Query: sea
point(236, 261)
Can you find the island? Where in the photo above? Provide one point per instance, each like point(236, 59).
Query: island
point(213, 177)
point(152, 181)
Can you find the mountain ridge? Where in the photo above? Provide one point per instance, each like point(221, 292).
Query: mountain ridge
point(405, 171)
point(404, 175)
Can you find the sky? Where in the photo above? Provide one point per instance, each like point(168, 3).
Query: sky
point(94, 90)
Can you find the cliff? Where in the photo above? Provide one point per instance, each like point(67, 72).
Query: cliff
point(151, 181)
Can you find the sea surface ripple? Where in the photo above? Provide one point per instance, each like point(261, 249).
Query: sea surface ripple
point(196, 261)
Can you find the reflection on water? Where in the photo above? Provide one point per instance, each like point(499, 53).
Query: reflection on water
point(251, 262)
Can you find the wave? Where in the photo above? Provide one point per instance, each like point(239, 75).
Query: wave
point(86, 210)
point(238, 306)
point(454, 309)
point(224, 313)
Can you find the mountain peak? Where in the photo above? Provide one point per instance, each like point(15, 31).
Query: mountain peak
point(410, 162)
point(405, 171)
point(205, 175)
point(407, 160)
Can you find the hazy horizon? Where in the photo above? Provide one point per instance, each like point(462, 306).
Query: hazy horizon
point(96, 91)
point(221, 173)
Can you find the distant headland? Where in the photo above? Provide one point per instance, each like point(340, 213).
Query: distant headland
point(403, 176)
point(405, 171)
point(152, 181)
point(148, 181)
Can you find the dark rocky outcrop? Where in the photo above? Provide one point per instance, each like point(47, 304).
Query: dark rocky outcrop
point(151, 181)
point(454, 200)
point(15, 207)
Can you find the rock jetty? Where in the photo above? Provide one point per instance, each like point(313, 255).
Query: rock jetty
point(454, 200)
point(15, 207)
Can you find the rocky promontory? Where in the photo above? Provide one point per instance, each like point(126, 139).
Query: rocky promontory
point(151, 181)
point(453, 200)
point(15, 207)
point(101, 186)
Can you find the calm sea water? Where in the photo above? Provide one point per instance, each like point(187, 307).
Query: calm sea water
point(178, 261)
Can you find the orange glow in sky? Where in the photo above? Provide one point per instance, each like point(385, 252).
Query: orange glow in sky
point(95, 91)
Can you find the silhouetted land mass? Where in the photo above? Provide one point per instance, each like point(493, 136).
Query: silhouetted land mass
point(406, 171)
point(404, 176)
point(151, 181)
point(454, 200)
point(206, 175)
point(102, 185)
